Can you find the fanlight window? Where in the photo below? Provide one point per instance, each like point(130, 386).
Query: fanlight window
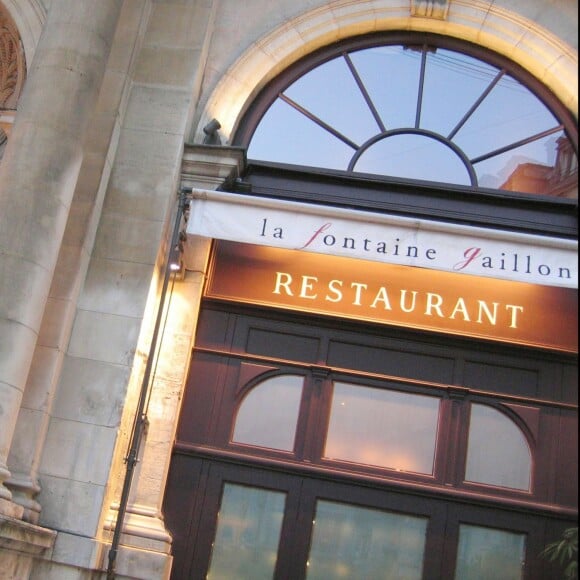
point(419, 112)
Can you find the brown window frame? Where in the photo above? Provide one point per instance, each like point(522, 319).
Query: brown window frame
point(193, 517)
point(203, 458)
point(209, 429)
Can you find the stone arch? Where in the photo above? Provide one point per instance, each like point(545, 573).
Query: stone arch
point(536, 49)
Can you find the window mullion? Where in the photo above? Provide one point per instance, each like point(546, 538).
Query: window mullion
point(319, 386)
point(364, 92)
point(475, 105)
point(421, 87)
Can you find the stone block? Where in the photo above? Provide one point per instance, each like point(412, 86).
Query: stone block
point(78, 451)
point(141, 193)
point(178, 24)
point(91, 391)
point(22, 279)
point(173, 67)
point(129, 29)
point(157, 109)
point(55, 327)
point(29, 432)
point(44, 370)
point(65, 282)
point(141, 149)
point(133, 240)
point(70, 506)
point(104, 337)
point(116, 287)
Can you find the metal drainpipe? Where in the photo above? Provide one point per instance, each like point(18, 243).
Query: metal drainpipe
point(140, 415)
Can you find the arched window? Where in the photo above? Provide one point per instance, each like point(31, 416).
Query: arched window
point(417, 108)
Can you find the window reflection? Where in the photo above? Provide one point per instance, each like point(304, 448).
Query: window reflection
point(489, 554)
point(247, 535)
point(382, 428)
point(558, 177)
point(353, 542)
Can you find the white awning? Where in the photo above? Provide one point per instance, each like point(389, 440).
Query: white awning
point(384, 238)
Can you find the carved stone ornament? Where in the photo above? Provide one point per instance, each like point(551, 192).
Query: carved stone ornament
point(12, 66)
point(430, 8)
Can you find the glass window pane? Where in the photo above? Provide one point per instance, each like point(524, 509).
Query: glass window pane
point(287, 136)
point(508, 114)
point(268, 414)
point(382, 428)
point(489, 554)
point(391, 76)
point(352, 542)
point(247, 535)
point(334, 78)
point(453, 83)
point(546, 167)
point(497, 453)
point(414, 157)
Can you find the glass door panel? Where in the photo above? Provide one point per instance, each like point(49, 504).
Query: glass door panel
point(248, 533)
point(489, 554)
point(367, 544)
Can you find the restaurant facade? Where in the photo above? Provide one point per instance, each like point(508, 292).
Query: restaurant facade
point(288, 292)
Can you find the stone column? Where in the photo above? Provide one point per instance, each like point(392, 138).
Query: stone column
point(144, 536)
point(38, 175)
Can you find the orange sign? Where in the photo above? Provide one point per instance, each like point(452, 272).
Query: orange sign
point(514, 312)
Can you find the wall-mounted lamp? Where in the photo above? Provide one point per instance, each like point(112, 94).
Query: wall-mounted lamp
point(176, 257)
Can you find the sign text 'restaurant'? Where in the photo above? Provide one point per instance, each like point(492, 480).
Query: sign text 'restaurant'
point(500, 310)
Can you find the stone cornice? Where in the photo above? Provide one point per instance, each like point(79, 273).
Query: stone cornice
point(210, 166)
